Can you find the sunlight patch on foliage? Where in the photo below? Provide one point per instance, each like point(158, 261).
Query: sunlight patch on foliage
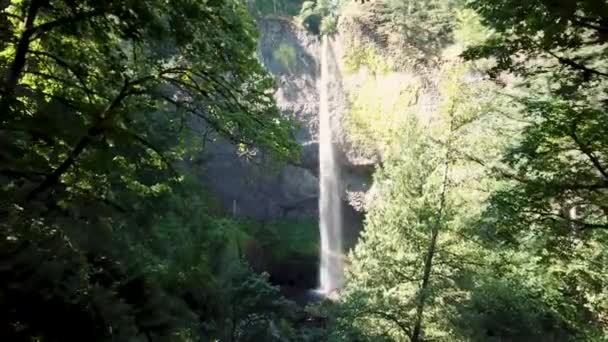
point(366, 56)
point(286, 55)
point(380, 109)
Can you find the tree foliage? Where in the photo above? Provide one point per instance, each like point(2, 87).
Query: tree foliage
point(487, 220)
point(553, 203)
point(519, 248)
point(103, 104)
point(100, 73)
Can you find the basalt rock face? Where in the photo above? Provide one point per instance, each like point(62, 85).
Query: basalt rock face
point(261, 189)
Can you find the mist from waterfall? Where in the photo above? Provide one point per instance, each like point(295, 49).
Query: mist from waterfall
point(330, 213)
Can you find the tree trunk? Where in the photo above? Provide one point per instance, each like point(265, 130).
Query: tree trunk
point(432, 247)
point(14, 72)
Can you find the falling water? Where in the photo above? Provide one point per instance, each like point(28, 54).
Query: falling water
point(330, 216)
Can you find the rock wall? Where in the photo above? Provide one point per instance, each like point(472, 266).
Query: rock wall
point(261, 189)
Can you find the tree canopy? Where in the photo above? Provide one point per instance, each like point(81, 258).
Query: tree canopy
point(103, 104)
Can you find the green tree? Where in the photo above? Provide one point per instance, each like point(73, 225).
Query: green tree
point(569, 33)
point(553, 202)
point(421, 28)
point(415, 263)
point(98, 75)
point(102, 104)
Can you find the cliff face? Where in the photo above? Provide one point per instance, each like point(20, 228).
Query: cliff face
point(363, 86)
point(260, 188)
point(368, 98)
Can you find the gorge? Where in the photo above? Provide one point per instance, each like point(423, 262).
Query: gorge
point(293, 194)
point(303, 170)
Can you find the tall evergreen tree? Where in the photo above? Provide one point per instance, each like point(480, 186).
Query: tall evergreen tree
point(553, 205)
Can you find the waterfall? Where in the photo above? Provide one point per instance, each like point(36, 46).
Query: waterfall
point(330, 213)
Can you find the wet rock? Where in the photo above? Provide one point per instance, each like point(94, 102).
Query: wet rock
point(265, 190)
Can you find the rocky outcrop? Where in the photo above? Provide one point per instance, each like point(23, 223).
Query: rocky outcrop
point(262, 189)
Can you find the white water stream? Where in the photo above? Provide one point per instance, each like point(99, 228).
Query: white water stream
point(330, 213)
